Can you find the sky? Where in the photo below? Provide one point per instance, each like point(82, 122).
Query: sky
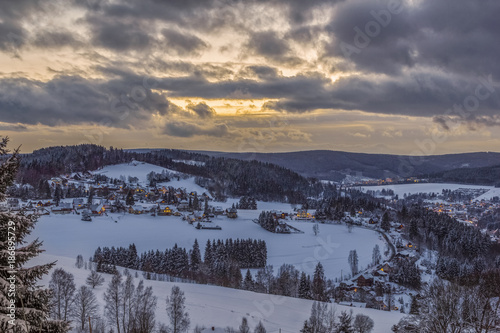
point(412, 77)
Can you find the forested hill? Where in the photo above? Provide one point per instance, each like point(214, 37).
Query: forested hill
point(334, 165)
point(223, 176)
point(479, 176)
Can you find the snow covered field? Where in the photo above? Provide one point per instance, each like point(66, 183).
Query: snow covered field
point(218, 306)
point(67, 235)
point(133, 169)
point(402, 189)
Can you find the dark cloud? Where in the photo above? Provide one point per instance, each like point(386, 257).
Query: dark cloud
point(120, 35)
point(13, 127)
point(201, 109)
point(186, 130)
point(270, 45)
point(260, 72)
point(183, 43)
point(56, 39)
point(75, 100)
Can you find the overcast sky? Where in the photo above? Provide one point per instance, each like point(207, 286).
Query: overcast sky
point(395, 76)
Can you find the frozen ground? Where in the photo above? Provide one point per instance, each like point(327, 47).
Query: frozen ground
point(222, 307)
point(67, 235)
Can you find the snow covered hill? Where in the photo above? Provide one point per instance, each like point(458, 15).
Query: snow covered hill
point(222, 307)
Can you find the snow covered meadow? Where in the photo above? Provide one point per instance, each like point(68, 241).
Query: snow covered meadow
point(221, 307)
point(67, 235)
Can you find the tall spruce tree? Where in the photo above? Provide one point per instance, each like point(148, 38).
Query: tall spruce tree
point(25, 309)
point(195, 260)
point(319, 284)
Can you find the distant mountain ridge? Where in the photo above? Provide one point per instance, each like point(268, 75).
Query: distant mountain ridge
point(334, 165)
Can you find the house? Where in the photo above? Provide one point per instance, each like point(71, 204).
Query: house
point(302, 214)
point(78, 203)
point(136, 209)
point(97, 210)
point(387, 267)
point(63, 208)
point(232, 213)
point(218, 210)
point(278, 214)
point(364, 280)
point(183, 205)
point(164, 210)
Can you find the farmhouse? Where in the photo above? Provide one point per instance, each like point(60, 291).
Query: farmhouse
point(78, 203)
point(97, 210)
point(232, 213)
point(364, 280)
point(136, 209)
point(164, 210)
point(63, 208)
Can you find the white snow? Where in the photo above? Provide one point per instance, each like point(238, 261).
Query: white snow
point(133, 169)
point(222, 307)
point(67, 235)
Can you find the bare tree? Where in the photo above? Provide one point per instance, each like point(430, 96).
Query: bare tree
point(112, 297)
point(316, 229)
point(179, 319)
point(353, 262)
point(126, 302)
point(144, 309)
point(63, 287)
point(85, 306)
point(362, 324)
point(94, 279)
point(321, 320)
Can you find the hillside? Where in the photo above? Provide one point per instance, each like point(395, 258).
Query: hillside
point(210, 305)
point(333, 165)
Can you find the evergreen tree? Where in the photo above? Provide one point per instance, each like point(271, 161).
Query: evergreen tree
point(386, 223)
point(259, 328)
point(304, 287)
point(319, 284)
point(248, 283)
point(195, 260)
point(57, 195)
point(129, 200)
point(414, 307)
point(30, 301)
point(345, 325)
point(208, 257)
point(244, 328)
point(90, 198)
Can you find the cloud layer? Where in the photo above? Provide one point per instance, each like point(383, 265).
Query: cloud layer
point(130, 63)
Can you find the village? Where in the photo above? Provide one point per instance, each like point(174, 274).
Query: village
point(100, 196)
